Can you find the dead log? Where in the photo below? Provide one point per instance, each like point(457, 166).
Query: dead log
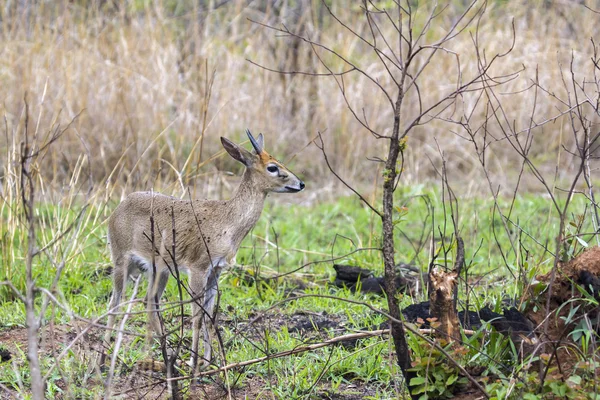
point(418, 313)
point(351, 273)
point(408, 279)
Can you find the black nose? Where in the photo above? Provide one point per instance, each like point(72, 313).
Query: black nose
point(301, 185)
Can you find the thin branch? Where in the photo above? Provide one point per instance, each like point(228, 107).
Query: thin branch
point(321, 147)
point(314, 74)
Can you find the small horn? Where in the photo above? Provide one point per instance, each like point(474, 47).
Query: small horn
point(257, 147)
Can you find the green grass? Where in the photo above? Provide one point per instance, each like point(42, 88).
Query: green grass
point(287, 238)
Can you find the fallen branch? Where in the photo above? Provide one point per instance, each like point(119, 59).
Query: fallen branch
point(302, 349)
point(332, 341)
point(297, 350)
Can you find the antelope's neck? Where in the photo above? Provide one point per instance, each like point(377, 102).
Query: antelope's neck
point(247, 203)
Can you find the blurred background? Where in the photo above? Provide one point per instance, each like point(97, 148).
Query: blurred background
point(156, 83)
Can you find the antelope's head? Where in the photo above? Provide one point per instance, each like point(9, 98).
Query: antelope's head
point(267, 173)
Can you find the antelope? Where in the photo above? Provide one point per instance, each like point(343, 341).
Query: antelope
point(208, 234)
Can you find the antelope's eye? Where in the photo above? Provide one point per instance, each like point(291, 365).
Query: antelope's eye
point(272, 168)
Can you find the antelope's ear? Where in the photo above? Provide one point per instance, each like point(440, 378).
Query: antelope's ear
point(237, 152)
point(261, 141)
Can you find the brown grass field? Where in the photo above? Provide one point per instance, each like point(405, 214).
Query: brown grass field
point(155, 84)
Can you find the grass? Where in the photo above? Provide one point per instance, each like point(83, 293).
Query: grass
point(290, 236)
point(286, 238)
point(158, 83)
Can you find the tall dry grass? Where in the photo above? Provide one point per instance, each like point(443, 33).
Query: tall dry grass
point(157, 84)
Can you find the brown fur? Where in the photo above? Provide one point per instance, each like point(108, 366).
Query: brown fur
point(208, 234)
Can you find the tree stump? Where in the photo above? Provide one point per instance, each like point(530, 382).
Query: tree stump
point(441, 302)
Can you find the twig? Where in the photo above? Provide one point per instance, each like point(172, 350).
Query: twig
point(321, 147)
point(113, 361)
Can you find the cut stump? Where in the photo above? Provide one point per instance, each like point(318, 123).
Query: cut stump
point(442, 304)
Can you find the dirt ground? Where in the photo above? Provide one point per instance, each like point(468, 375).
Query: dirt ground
point(131, 382)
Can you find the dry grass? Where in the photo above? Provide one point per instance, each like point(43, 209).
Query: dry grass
point(158, 83)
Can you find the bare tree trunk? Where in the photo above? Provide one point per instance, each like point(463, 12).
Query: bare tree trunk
point(443, 293)
point(389, 183)
point(27, 197)
point(404, 68)
point(37, 383)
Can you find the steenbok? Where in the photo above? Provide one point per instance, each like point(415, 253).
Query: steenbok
point(207, 234)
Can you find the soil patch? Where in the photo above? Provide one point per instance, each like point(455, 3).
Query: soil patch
point(570, 280)
point(573, 282)
point(131, 382)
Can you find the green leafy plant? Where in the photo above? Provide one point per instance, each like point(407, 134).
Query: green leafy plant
point(436, 377)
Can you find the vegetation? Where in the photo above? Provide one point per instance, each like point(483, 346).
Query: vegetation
point(328, 231)
point(101, 99)
point(159, 82)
